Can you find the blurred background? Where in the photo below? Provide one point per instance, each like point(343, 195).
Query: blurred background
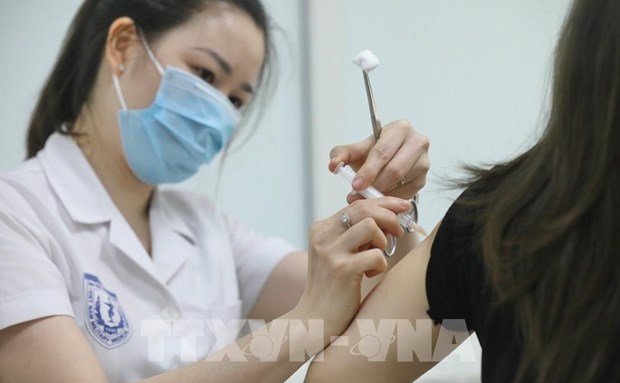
point(471, 75)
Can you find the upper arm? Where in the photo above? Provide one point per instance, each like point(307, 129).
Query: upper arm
point(49, 350)
point(31, 285)
point(392, 338)
point(257, 259)
point(39, 339)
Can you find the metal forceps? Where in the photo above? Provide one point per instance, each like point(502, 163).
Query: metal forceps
point(376, 128)
point(374, 118)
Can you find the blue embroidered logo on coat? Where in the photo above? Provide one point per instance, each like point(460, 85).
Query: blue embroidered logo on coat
point(105, 319)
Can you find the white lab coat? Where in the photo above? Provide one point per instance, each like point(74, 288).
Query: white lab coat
point(66, 250)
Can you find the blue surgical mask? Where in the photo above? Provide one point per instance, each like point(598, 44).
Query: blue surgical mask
point(187, 125)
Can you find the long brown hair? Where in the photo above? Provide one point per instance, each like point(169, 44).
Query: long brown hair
point(71, 82)
point(549, 219)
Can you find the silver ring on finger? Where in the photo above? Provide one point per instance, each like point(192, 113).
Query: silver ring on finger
point(345, 221)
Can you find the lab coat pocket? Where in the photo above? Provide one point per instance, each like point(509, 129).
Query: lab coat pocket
point(224, 323)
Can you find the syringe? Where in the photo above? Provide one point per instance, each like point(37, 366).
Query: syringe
point(408, 221)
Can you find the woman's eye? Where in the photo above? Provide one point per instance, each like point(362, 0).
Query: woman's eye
point(237, 102)
point(207, 76)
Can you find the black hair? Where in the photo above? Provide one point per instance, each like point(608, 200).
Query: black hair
point(549, 219)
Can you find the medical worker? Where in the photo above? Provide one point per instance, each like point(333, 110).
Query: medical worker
point(106, 277)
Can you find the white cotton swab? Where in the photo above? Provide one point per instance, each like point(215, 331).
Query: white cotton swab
point(367, 61)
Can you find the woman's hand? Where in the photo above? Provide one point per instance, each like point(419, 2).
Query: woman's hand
point(396, 164)
point(341, 254)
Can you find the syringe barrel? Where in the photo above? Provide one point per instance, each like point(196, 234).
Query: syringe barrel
point(407, 220)
point(348, 173)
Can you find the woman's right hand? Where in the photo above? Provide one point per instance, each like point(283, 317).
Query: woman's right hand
point(339, 256)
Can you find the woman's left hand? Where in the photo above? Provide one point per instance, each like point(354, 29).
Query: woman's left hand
point(396, 164)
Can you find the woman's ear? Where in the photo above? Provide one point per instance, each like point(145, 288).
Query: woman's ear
point(122, 39)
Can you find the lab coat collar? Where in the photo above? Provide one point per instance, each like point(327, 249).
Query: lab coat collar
point(170, 216)
point(173, 240)
point(87, 202)
point(81, 191)
point(74, 181)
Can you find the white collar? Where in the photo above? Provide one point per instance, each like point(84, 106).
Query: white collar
point(87, 201)
point(81, 192)
point(74, 181)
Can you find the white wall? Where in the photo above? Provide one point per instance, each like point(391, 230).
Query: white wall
point(471, 75)
point(30, 36)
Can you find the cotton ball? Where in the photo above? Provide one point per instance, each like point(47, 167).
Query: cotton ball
point(367, 61)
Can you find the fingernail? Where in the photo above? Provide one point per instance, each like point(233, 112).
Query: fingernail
point(405, 203)
point(353, 193)
point(358, 182)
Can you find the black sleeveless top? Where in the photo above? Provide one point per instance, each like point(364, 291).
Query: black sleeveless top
point(457, 288)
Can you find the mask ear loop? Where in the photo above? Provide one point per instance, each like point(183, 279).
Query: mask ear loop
point(119, 93)
point(149, 52)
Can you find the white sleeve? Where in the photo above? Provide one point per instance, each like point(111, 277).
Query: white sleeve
point(256, 256)
point(31, 286)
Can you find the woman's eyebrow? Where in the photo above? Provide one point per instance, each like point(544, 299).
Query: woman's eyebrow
point(218, 58)
point(226, 67)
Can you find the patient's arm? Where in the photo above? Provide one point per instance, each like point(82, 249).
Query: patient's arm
point(398, 301)
point(405, 244)
point(286, 283)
